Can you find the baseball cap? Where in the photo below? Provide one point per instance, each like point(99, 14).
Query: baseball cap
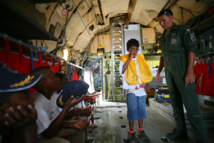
point(12, 81)
point(76, 88)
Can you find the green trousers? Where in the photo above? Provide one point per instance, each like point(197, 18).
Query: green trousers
point(181, 94)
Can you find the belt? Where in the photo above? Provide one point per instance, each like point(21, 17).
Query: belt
point(132, 90)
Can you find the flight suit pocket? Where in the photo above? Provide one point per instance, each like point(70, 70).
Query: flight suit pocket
point(174, 42)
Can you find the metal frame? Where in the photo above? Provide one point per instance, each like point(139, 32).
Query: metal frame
point(102, 75)
point(115, 56)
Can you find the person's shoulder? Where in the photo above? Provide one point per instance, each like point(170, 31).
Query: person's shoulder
point(35, 95)
point(124, 57)
point(54, 96)
point(184, 27)
point(38, 97)
point(141, 55)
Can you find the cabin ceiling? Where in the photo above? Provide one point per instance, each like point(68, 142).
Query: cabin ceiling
point(44, 19)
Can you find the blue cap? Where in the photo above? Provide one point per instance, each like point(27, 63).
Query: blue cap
point(12, 81)
point(76, 88)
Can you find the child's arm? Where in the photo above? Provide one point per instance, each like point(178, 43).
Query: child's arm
point(78, 112)
point(146, 87)
point(131, 55)
point(54, 127)
point(79, 124)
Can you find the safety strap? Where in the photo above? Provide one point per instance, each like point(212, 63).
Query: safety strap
point(31, 59)
point(199, 81)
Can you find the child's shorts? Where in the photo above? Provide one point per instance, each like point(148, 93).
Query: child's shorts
point(136, 107)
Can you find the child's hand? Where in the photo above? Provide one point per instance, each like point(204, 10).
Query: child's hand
point(81, 124)
point(146, 88)
point(70, 102)
point(132, 55)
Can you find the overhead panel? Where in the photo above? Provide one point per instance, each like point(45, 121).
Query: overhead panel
point(83, 40)
point(185, 10)
point(84, 7)
point(54, 20)
point(148, 5)
point(181, 17)
point(77, 24)
point(114, 6)
point(196, 7)
point(141, 17)
point(74, 28)
point(145, 11)
point(59, 12)
point(89, 17)
point(50, 44)
point(96, 9)
point(23, 21)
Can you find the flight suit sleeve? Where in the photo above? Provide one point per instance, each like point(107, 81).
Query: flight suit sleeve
point(189, 39)
point(162, 55)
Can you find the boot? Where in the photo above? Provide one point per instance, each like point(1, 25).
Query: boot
point(177, 135)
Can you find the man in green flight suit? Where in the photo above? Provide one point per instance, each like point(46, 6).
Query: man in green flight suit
point(178, 46)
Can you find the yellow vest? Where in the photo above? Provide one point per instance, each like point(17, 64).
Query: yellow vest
point(131, 73)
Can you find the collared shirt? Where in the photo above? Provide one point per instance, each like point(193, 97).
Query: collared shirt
point(140, 91)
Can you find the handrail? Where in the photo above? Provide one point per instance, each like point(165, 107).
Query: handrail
point(206, 55)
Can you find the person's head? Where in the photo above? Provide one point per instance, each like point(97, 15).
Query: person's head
point(13, 99)
point(49, 82)
point(165, 18)
point(14, 88)
point(133, 46)
point(64, 78)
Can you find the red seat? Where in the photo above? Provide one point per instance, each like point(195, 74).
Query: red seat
point(89, 98)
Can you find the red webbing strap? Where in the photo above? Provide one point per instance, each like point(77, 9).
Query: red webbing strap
point(20, 53)
point(7, 49)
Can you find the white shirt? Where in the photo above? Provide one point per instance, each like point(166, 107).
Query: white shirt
point(126, 85)
point(47, 110)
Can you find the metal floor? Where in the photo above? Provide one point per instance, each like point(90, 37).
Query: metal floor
point(112, 125)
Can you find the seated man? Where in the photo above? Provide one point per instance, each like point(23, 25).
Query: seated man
point(17, 113)
point(50, 121)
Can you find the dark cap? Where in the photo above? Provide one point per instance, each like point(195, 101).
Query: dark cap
point(63, 76)
point(167, 12)
point(76, 88)
point(60, 75)
point(12, 81)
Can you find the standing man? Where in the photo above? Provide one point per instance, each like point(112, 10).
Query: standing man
point(135, 72)
point(178, 46)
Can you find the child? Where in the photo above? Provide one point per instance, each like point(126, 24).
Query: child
point(135, 72)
